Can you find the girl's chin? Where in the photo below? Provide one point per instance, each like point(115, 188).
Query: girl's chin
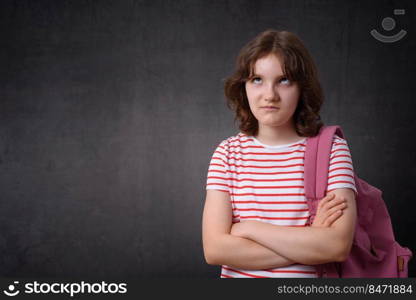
point(278, 122)
point(270, 121)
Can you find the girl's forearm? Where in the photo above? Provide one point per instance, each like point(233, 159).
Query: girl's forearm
point(245, 254)
point(305, 245)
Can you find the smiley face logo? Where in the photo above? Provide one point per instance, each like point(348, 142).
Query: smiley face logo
point(388, 24)
point(11, 291)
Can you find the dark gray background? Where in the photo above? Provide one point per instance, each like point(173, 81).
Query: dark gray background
point(110, 112)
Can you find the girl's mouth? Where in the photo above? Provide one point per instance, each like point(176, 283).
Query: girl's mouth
point(271, 108)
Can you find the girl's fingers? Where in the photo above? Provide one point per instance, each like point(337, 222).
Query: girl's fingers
point(333, 214)
point(329, 210)
point(340, 206)
point(333, 203)
point(325, 200)
point(332, 218)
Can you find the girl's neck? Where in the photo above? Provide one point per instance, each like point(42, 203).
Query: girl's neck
point(275, 136)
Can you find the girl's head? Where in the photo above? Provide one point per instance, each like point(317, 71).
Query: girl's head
point(275, 69)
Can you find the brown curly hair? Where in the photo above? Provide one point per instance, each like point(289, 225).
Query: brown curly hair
point(298, 66)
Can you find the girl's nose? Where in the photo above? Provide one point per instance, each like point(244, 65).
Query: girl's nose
point(271, 94)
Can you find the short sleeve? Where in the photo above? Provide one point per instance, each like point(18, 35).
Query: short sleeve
point(217, 178)
point(341, 171)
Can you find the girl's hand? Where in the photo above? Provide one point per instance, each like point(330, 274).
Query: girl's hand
point(329, 210)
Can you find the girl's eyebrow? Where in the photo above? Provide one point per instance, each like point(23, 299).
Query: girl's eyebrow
point(278, 76)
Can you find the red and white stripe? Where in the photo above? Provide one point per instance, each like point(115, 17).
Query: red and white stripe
point(266, 183)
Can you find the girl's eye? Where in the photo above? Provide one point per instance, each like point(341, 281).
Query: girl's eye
point(285, 81)
point(256, 80)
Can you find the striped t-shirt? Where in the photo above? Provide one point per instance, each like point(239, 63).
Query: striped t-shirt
point(266, 183)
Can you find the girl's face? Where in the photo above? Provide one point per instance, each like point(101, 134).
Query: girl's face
point(272, 97)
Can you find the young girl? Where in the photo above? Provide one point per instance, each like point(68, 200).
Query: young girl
point(255, 215)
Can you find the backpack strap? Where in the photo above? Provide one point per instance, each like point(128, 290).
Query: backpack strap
point(317, 154)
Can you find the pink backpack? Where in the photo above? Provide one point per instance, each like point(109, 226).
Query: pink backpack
point(374, 252)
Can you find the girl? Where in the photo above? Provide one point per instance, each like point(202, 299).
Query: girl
point(255, 215)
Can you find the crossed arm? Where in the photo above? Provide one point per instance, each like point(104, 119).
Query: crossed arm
point(254, 245)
